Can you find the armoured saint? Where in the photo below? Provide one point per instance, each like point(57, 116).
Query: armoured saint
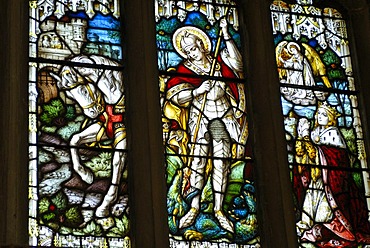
point(214, 109)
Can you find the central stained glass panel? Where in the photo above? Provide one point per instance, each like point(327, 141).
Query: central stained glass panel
point(211, 191)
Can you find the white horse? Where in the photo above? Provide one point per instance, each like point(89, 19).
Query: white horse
point(99, 92)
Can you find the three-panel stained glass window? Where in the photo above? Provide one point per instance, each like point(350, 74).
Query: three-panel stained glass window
point(78, 191)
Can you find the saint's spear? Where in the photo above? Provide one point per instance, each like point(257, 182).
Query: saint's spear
point(211, 74)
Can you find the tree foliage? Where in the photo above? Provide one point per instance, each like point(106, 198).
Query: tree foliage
point(67, 131)
point(52, 110)
point(56, 113)
point(73, 217)
point(60, 200)
point(101, 165)
point(121, 229)
point(164, 29)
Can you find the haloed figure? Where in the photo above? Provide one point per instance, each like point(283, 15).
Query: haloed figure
point(213, 127)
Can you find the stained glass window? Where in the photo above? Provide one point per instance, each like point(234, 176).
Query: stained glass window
point(210, 187)
point(319, 99)
point(77, 138)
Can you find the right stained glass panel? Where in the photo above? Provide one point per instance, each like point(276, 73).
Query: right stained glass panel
point(326, 154)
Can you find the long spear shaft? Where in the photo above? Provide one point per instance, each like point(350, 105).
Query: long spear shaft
point(211, 73)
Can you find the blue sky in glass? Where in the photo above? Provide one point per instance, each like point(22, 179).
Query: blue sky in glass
point(99, 20)
point(78, 14)
point(104, 29)
point(104, 36)
point(340, 101)
point(104, 21)
point(101, 28)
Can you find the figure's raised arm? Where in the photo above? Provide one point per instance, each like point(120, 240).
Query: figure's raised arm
point(231, 55)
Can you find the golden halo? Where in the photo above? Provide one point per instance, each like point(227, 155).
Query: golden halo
point(177, 36)
point(290, 44)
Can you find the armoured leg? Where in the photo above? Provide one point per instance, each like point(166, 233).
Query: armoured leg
point(222, 152)
point(197, 173)
point(219, 181)
point(197, 182)
point(220, 171)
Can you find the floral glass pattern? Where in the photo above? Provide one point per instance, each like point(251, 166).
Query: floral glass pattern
point(211, 192)
point(77, 138)
point(326, 150)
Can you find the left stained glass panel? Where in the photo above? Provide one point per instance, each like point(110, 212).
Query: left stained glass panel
point(77, 137)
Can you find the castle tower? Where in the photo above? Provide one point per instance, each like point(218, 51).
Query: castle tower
point(79, 29)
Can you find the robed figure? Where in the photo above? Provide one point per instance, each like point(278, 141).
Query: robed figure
point(334, 211)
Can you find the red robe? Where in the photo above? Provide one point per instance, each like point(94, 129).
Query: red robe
point(197, 81)
point(349, 200)
point(349, 225)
